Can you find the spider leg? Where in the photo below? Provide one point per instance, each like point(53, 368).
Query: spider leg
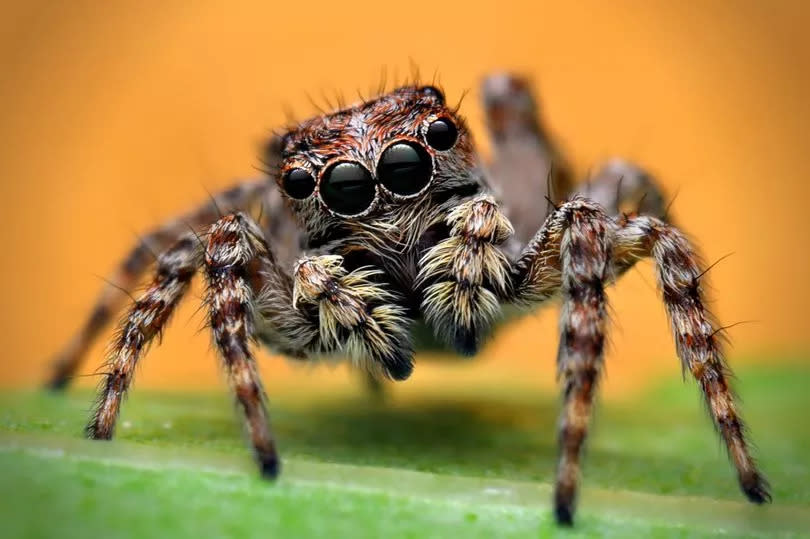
point(145, 320)
point(579, 250)
point(135, 264)
point(237, 262)
point(356, 315)
point(463, 276)
point(525, 160)
point(571, 256)
point(622, 187)
point(697, 337)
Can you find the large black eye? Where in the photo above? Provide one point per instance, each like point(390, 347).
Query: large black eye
point(404, 168)
point(347, 188)
point(298, 183)
point(442, 134)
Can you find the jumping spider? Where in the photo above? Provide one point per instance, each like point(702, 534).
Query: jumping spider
point(385, 222)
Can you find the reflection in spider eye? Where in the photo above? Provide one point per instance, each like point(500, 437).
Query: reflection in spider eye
point(442, 134)
point(347, 188)
point(298, 183)
point(405, 168)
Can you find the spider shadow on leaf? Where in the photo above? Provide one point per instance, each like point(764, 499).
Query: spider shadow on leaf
point(478, 437)
point(481, 437)
point(458, 434)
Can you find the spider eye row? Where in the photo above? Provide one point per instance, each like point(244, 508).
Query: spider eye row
point(348, 188)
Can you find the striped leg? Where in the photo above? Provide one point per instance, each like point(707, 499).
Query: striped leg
point(240, 271)
point(577, 252)
point(133, 267)
point(584, 259)
point(146, 319)
point(571, 255)
point(235, 264)
point(697, 338)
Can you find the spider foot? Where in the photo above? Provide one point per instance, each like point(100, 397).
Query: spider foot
point(756, 488)
point(269, 465)
point(564, 505)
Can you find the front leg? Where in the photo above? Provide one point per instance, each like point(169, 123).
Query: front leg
point(464, 276)
point(356, 315)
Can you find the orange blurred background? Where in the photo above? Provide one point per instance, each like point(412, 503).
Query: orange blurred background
point(116, 116)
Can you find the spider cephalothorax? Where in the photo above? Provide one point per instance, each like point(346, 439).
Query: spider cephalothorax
point(380, 221)
point(375, 184)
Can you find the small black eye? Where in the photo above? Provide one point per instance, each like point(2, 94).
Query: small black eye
point(298, 183)
point(433, 92)
point(442, 134)
point(347, 188)
point(405, 168)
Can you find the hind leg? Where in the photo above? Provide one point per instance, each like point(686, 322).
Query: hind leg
point(698, 339)
point(526, 162)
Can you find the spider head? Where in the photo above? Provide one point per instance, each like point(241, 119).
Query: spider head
point(368, 162)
